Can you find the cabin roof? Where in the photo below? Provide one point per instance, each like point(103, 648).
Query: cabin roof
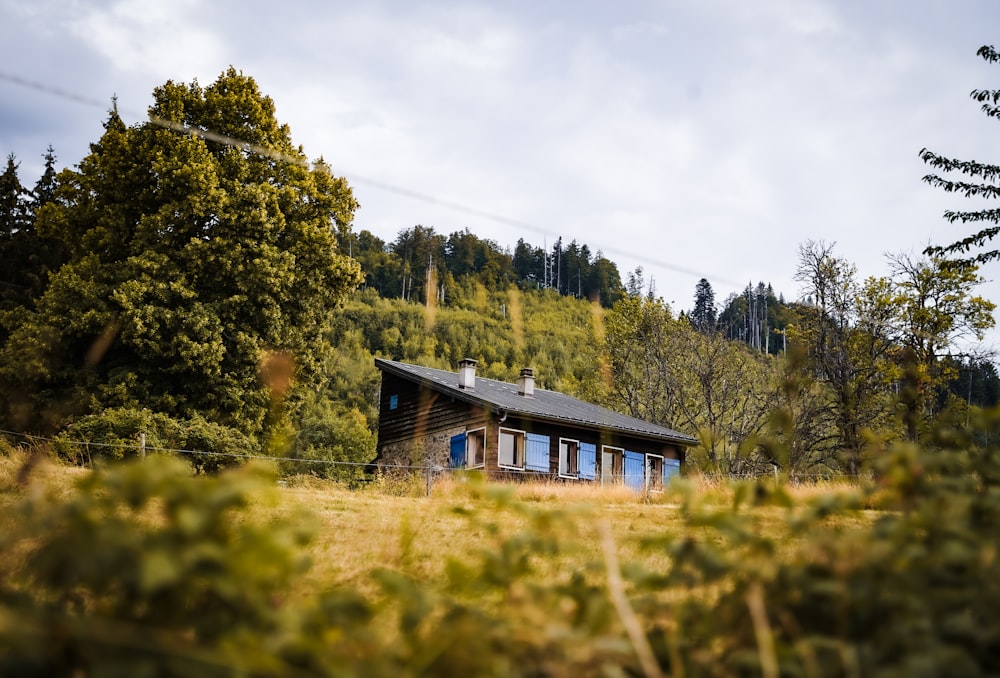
point(503, 397)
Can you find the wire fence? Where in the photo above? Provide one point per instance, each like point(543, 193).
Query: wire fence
point(430, 471)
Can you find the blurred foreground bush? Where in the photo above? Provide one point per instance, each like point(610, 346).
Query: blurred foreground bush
point(146, 569)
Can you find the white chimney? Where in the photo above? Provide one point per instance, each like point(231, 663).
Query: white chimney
point(526, 383)
point(467, 373)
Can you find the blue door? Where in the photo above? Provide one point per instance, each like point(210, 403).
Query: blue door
point(635, 470)
point(458, 451)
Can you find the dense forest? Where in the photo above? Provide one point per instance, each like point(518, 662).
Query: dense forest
point(216, 298)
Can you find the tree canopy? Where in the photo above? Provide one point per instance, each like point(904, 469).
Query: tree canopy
point(191, 261)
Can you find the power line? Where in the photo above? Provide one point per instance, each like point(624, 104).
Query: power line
point(375, 183)
point(48, 89)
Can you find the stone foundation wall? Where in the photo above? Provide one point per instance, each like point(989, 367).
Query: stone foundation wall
point(434, 449)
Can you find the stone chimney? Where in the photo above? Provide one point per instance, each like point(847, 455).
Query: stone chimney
point(526, 383)
point(467, 373)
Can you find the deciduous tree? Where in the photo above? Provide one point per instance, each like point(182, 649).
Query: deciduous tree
point(843, 349)
point(665, 371)
point(932, 309)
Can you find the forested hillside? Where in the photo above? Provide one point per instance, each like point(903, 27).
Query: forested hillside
point(216, 297)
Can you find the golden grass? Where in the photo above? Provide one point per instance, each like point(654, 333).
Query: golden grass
point(398, 527)
point(24, 468)
point(358, 530)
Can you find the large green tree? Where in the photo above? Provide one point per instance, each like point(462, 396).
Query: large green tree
point(200, 245)
point(982, 181)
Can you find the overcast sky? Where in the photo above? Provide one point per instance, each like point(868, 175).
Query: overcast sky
point(694, 138)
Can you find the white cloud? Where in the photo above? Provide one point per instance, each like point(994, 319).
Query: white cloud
point(155, 39)
point(714, 135)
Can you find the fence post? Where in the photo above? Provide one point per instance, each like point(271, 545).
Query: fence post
point(428, 471)
point(142, 444)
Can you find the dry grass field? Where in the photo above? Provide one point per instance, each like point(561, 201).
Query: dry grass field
point(397, 524)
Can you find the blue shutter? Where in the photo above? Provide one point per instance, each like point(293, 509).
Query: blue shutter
point(536, 452)
point(458, 451)
point(635, 470)
point(671, 468)
point(588, 461)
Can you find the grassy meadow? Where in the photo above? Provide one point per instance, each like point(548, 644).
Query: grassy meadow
point(395, 523)
point(128, 567)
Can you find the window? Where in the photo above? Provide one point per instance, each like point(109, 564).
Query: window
point(612, 465)
point(456, 457)
point(468, 450)
point(393, 402)
point(510, 450)
point(654, 472)
point(569, 458)
point(475, 448)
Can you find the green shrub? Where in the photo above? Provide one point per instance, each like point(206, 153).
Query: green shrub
point(145, 569)
point(115, 434)
point(912, 592)
point(336, 442)
point(212, 446)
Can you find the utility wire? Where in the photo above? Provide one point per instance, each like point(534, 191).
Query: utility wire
point(375, 183)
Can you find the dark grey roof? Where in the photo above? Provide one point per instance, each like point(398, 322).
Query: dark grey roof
point(550, 405)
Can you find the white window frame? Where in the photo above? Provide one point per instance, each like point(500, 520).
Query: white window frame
point(480, 434)
point(654, 481)
point(564, 470)
point(520, 438)
point(609, 477)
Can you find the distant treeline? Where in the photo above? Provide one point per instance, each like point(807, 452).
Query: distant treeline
point(421, 264)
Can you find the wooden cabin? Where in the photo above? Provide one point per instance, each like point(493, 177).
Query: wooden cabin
point(430, 417)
